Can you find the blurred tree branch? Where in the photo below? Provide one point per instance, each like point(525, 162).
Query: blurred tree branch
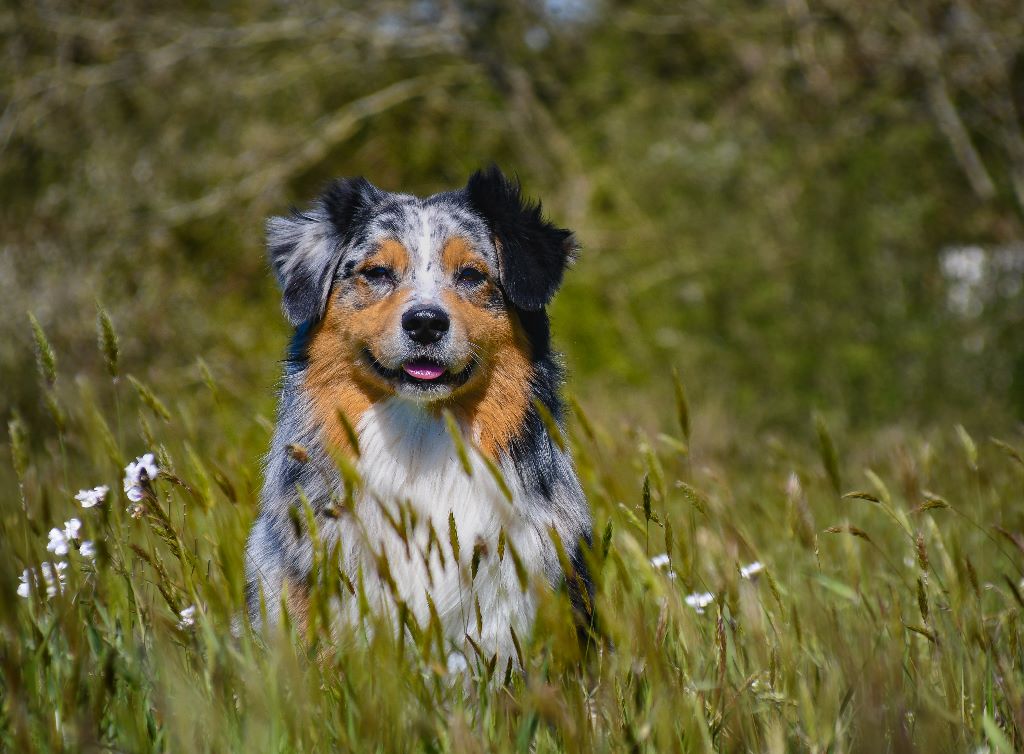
point(926, 54)
point(765, 191)
point(140, 53)
point(327, 133)
point(964, 54)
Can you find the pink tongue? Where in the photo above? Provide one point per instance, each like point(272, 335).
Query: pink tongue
point(423, 370)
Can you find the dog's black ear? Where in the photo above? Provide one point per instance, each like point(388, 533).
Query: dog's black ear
point(306, 247)
point(532, 253)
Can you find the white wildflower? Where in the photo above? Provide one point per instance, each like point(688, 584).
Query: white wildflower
point(87, 550)
point(749, 571)
point(54, 577)
point(135, 510)
point(92, 498)
point(58, 543)
point(699, 600)
point(26, 579)
point(188, 617)
point(133, 476)
point(72, 529)
point(662, 562)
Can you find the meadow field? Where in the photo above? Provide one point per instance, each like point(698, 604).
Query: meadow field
point(793, 342)
point(771, 596)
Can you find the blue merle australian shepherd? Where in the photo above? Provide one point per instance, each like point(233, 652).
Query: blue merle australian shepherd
point(416, 320)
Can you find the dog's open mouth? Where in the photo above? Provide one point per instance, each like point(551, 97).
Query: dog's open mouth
point(422, 373)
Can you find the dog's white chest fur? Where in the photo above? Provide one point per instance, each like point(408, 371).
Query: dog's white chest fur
point(412, 476)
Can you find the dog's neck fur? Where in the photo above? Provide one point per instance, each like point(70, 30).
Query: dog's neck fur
point(411, 474)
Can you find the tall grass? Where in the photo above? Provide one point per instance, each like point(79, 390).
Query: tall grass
point(887, 616)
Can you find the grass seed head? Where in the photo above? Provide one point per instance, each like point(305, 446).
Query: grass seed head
point(827, 447)
point(46, 358)
point(1009, 450)
point(149, 399)
point(694, 497)
point(970, 448)
point(849, 529)
point(682, 405)
point(647, 497)
point(18, 435)
point(860, 495)
point(922, 552)
point(106, 338)
point(453, 535)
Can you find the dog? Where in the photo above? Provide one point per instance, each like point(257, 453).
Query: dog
point(421, 358)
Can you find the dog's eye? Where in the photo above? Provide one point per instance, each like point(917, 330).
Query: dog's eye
point(469, 276)
point(378, 274)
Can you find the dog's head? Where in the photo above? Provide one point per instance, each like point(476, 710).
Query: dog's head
point(418, 297)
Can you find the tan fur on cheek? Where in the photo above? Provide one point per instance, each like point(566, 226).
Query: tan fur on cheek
point(375, 324)
point(334, 382)
point(497, 405)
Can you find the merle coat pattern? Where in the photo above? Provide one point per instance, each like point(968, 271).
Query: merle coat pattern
point(405, 456)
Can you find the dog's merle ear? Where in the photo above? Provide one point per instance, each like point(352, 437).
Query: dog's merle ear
point(533, 253)
point(306, 247)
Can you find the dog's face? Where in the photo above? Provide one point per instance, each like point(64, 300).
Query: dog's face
point(418, 297)
point(417, 302)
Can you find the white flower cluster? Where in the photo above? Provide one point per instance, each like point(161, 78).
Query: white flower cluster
point(53, 579)
point(700, 600)
point(137, 474)
point(92, 498)
point(61, 541)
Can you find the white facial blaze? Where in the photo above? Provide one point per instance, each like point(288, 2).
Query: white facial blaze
point(426, 264)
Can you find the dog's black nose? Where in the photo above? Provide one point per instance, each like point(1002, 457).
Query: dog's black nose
point(426, 324)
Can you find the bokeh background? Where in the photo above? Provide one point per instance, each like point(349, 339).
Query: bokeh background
point(800, 205)
point(812, 210)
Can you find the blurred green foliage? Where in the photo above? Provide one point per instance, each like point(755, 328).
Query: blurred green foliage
point(763, 190)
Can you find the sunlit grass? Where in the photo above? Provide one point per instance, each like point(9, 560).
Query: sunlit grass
point(887, 616)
